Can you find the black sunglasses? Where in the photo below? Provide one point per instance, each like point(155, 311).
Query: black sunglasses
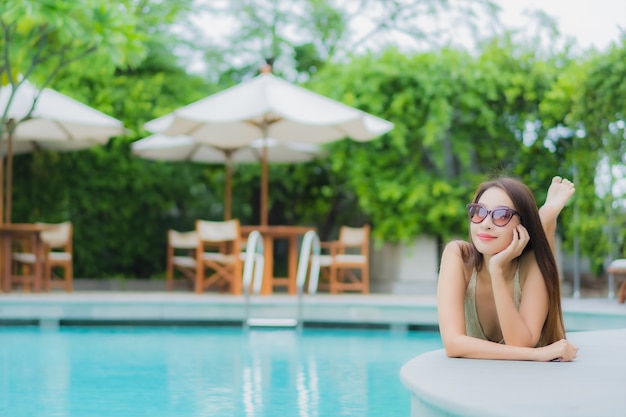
point(500, 216)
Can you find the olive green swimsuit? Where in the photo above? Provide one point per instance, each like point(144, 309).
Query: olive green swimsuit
point(472, 325)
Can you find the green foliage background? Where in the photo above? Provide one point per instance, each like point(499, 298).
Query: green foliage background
point(459, 118)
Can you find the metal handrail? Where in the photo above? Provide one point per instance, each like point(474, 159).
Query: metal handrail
point(306, 263)
point(254, 263)
point(310, 245)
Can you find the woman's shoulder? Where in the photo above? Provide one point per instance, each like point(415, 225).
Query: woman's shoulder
point(457, 253)
point(458, 247)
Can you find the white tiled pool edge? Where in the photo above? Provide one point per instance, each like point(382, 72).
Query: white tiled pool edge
point(377, 309)
point(186, 307)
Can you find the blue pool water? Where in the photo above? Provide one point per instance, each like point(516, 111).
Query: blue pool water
point(193, 372)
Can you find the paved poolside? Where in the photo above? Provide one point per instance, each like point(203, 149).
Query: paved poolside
point(180, 307)
point(211, 308)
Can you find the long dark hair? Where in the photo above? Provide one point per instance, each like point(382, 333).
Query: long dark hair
point(526, 205)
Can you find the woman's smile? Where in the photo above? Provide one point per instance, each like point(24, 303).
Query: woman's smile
point(485, 237)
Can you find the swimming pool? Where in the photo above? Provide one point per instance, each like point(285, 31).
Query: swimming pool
point(194, 372)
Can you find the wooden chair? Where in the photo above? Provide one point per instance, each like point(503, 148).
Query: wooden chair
point(181, 256)
point(59, 255)
point(219, 258)
point(346, 266)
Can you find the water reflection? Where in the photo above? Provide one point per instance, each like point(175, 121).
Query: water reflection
point(55, 373)
point(252, 387)
point(308, 389)
point(280, 365)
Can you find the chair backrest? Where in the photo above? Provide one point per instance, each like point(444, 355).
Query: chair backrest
point(355, 237)
point(216, 232)
point(182, 240)
point(59, 236)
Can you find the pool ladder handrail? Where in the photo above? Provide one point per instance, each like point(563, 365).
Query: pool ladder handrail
point(254, 264)
point(254, 258)
point(310, 246)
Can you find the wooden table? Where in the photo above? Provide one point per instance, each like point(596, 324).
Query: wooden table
point(28, 232)
point(270, 234)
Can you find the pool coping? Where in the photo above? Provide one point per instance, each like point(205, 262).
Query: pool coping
point(181, 308)
point(592, 385)
point(394, 310)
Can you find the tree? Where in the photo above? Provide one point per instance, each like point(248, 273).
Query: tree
point(120, 205)
point(39, 38)
point(304, 35)
point(586, 108)
point(458, 119)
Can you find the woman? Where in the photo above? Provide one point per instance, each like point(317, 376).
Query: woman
point(499, 295)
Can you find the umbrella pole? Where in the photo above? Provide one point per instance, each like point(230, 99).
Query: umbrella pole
point(9, 177)
point(264, 180)
point(228, 188)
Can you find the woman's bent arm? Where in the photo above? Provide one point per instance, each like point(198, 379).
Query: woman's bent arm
point(461, 346)
point(450, 300)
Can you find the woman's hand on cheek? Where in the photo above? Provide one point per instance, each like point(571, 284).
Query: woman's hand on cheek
point(515, 248)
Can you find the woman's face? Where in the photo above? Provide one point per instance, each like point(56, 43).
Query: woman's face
point(488, 238)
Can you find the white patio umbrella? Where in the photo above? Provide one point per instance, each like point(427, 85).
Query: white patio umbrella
point(268, 107)
point(184, 148)
point(57, 122)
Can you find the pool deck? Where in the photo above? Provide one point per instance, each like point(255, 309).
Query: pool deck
point(592, 385)
point(209, 308)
